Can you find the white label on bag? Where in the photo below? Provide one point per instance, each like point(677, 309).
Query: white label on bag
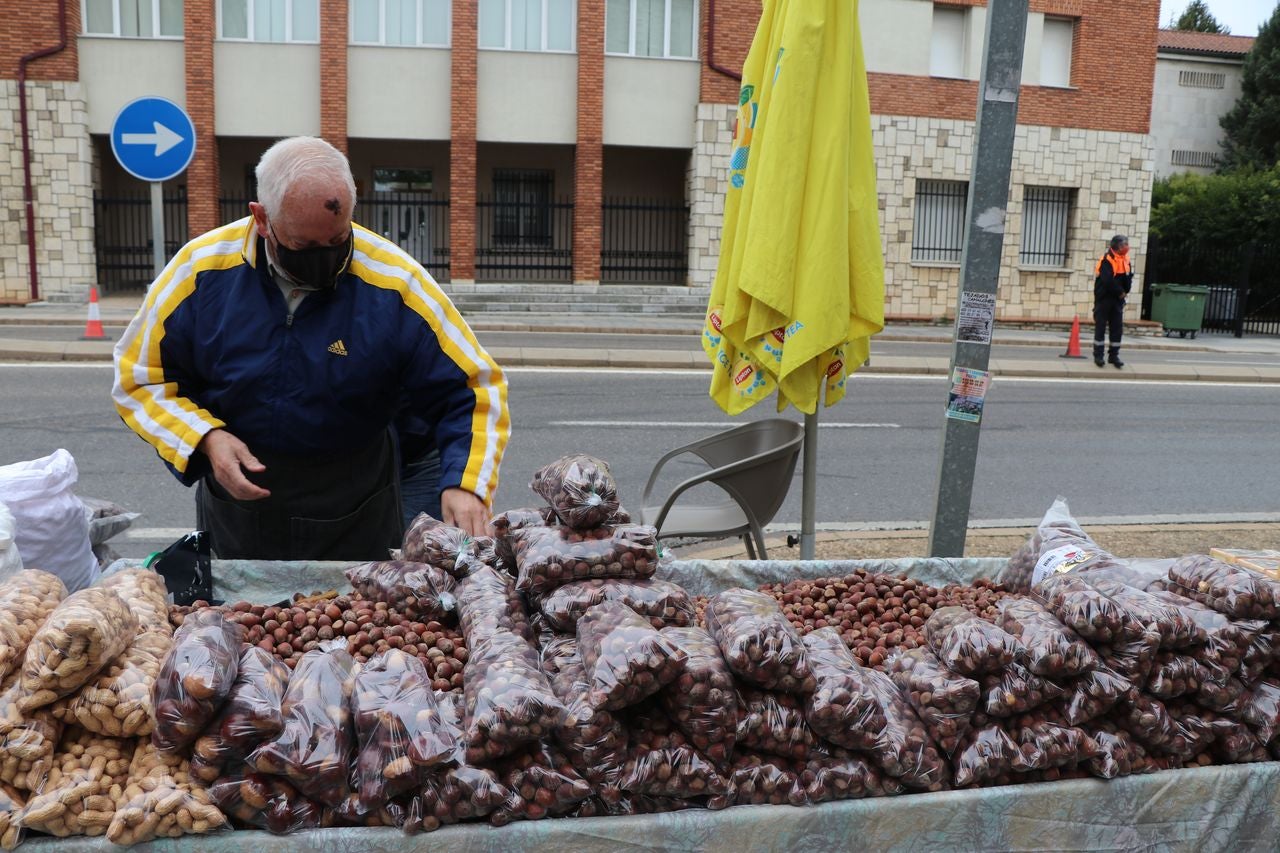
point(1060, 560)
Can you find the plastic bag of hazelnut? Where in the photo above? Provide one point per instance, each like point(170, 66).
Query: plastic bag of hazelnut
point(943, 700)
point(1236, 591)
point(1052, 743)
point(1227, 641)
point(968, 644)
point(315, 748)
point(1262, 650)
point(842, 709)
point(703, 701)
point(83, 634)
point(1146, 718)
point(1175, 625)
point(625, 658)
point(758, 642)
point(250, 716)
point(632, 804)
point(1085, 609)
point(1174, 675)
point(509, 702)
point(488, 602)
point(118, 701)
point(1052, 649)
point(1118, 752)
point(579, 488)
point(592, 738)
point(988, 752)
point(774, 723)
point(429, 540)
point(1092, 695)
point(504, 524)
point(195, 678)
point(1132, 657)
point(548, 557)
point(833, 773)
point(161, 800)
point(662, 763)
point(663, 603)
point(1195, 729)
point(1219, 696)
point(1260, 708)
point(267, 802)
point(398, 726)
point(762, 780)
point(1015, 690)
point(1059, 544)
point(458, 792)
point(420, 591)
point(541, 783)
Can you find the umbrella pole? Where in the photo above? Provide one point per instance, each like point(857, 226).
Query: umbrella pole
point(809, 493)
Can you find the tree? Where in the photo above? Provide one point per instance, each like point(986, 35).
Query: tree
point(1253, 124)
point(1197, 18)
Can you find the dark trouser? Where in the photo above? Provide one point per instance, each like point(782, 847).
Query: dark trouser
point(420, 487)
point(341, 507)
point(1107, 314)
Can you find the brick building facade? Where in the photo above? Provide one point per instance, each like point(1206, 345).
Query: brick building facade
point(591, 148)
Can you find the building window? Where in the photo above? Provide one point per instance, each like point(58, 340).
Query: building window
point(1055, 52)
point(269, 20)
point(422, 23)
point(938, 235)
point(402, 180)
point(522, 211)
point(544, 25)
point(148, 19)
point(947, 42)
point(1202, 79)
point(1199, 159)
point(661, 28)
point(1046, 212)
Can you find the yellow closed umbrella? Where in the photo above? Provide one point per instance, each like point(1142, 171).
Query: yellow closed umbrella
point(800, 285)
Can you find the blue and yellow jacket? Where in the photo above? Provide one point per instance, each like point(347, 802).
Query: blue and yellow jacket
point(213, 345)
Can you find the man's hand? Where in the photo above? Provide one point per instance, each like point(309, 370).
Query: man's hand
point(230, 458)
point(463, 509)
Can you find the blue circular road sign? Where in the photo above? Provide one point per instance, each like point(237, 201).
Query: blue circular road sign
point(153, 139)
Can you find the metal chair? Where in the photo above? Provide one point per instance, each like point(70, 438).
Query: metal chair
point(753, 464)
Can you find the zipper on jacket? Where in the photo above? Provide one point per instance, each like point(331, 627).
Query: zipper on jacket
point(288, 322)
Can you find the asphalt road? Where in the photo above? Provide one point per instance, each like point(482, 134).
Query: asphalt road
point(1114, 449)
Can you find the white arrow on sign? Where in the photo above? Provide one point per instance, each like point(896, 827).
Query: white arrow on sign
point(163, 138)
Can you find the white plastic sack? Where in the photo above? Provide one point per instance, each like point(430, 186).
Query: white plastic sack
point(10, 559)
point(52, 529)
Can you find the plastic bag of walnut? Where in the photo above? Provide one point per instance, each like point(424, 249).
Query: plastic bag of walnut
point(968, 644)
point(758, 642)
point(195, 678)
point(420, 591)
point(663, 603)
point(579, 488)
point(118, 702)
point(81, 636)
point(593, 739)
point(250, 716)
point(83, 788)
point(160, 800)
point(268, 802)
point(27, 739)
point(944, 700)
point(625, 658)
point(314, 750)
point(548, 557)
point(703, 701)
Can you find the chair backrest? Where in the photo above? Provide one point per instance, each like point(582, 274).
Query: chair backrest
point(755, 463)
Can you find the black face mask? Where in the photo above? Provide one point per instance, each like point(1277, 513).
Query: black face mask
point(318, 267)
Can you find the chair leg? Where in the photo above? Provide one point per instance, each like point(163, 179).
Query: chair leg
point(758, 535)
point(751, 548)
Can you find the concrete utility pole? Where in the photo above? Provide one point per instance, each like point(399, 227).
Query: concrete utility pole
point(979, 272)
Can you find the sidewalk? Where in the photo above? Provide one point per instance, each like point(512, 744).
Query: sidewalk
point(116, 311)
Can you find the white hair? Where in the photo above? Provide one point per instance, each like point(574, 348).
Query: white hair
point(295, 159)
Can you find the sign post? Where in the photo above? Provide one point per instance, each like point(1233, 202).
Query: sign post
point(154, 140)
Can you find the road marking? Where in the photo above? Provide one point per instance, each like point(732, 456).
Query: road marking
point(149, 534)
point(708, 424)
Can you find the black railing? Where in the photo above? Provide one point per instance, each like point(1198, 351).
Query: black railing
point(1046, 212)
point(524, 240)
point(416, 222)
point(938, 232)
point(122, 237)
point(1244, 282)
point(644, 241)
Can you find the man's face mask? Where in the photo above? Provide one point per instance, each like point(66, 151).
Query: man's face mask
point(318, 267)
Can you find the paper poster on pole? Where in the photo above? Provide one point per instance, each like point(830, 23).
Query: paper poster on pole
point(977, 317)
point(968, 394)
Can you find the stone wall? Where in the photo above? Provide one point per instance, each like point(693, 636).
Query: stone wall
point(61, 175)
point(708, 175)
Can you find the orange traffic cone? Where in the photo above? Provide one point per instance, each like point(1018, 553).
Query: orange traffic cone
point(93, 326)
point(1073, 343)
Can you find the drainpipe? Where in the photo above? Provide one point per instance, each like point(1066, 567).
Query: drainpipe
point(711, 44)
point(28, 195)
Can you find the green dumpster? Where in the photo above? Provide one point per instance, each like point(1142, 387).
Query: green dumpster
point(1179, 307)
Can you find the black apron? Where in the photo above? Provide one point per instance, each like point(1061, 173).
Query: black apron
point(345, 506)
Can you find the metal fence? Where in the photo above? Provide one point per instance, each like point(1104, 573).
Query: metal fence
point(525, 239)
point(938, 233)
point(1046, 213)
point(122, 238)
point(1244, 282)
point(644, 241)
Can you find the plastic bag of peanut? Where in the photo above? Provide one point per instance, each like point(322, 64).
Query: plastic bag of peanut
point(12, 802)
point(29, 597)
point(143, 592)
point(315, 748)
point(250, 716)
point(579, 488)
point(758, 642)
point(430, 540)
point(27, 739)
point(268, 802)
point(84, 786)
point(592, 738)
point(420, 591)
point(118, 702)
point(944, 700)
point(398, 725)
point(703, 701)
point(160, 800)
point(548, 557)
point(81, 636)
point(196, 678)
point(625, 658)
point(663, 603)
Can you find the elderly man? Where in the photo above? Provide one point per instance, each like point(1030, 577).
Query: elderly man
point(272, 357)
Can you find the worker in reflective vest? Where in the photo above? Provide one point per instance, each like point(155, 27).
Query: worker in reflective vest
point(1112, 279)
